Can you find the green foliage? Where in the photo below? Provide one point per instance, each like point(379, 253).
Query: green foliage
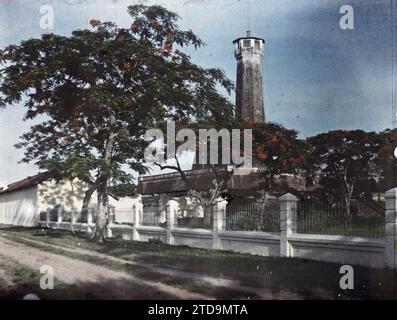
point(123, 190)
point(344, 159)
point(99, 90)
point(279, 151)
point(387, 161)
point(253, 222)
point(155, 241)
point(193, 222)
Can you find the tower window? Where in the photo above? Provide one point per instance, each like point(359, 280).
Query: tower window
point(247, 43)
point(257, 44)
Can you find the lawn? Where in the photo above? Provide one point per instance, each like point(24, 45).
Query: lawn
point(310, 279)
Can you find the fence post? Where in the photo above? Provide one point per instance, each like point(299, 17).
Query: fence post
point(288, 222)
point(89, 219)
point(137, 212)
point(60, 212)
point(111, 218)
point(89, 216)
point(172, 207)
point(48, 217)
point(390, 227)
point(219, 222)
point(74, 213)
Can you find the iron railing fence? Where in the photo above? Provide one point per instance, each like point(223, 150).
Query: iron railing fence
point(249, 216)
point(152, 218)
point(322, 217)
point(193, 222)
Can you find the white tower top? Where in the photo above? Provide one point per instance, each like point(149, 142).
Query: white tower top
point(254, 45)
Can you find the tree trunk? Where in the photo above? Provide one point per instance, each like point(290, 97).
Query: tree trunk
point(102, 222)
point(100, 230)
point(207, 208)
point(86, 200)
point(349, 192)
point(263, 202)
point(347, 201)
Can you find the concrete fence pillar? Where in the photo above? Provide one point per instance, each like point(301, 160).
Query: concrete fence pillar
point(60, 213)
point(288, 222)
point(48, 217)
point(172, 208)
point(137, 211)
point(89, 219)
point(218, 222)
point(74, 215)
point(390, 227)
point(89, 215)
point(111, 219)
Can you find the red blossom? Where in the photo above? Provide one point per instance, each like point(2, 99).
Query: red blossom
point(168, 47)
point(127, 66)
point(154, 23)
point(94, 22)
point(135, 24)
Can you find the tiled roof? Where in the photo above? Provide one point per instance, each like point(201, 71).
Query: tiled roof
point(26, 183)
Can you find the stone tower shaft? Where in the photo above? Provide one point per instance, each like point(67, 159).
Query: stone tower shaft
point(249, 53)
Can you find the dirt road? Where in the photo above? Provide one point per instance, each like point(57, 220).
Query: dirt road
point(102, 282)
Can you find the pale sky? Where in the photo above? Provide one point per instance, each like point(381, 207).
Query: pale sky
point(317, 77)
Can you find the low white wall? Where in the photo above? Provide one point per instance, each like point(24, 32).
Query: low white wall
point(340, 249)
point(124, 231)
point(75, 227)
point(198, 238)
point(20, 207)
point(146, 233)
point(368, 252)
point(260, 243)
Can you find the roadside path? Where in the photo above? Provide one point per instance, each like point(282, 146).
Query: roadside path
point(92, 275)
point(102, 282)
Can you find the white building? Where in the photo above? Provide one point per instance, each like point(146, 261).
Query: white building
point(22, 202)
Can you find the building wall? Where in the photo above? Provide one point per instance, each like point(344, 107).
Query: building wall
point(20, 207)
point(124, 208)
point(69, 195)
point(23, 207)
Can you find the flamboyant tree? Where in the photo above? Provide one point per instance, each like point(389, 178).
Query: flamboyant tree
point(207, 187)
point(386, 164)
point(280, 154)
point(99, 90)
point(345, 159)
point(276, 152)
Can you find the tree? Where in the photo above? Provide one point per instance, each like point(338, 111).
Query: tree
point(280, 156)
point(345, 159)
point(99, 91)
point(276, 151)
point(123, 190)
point(386, 164)
point(206, 187)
